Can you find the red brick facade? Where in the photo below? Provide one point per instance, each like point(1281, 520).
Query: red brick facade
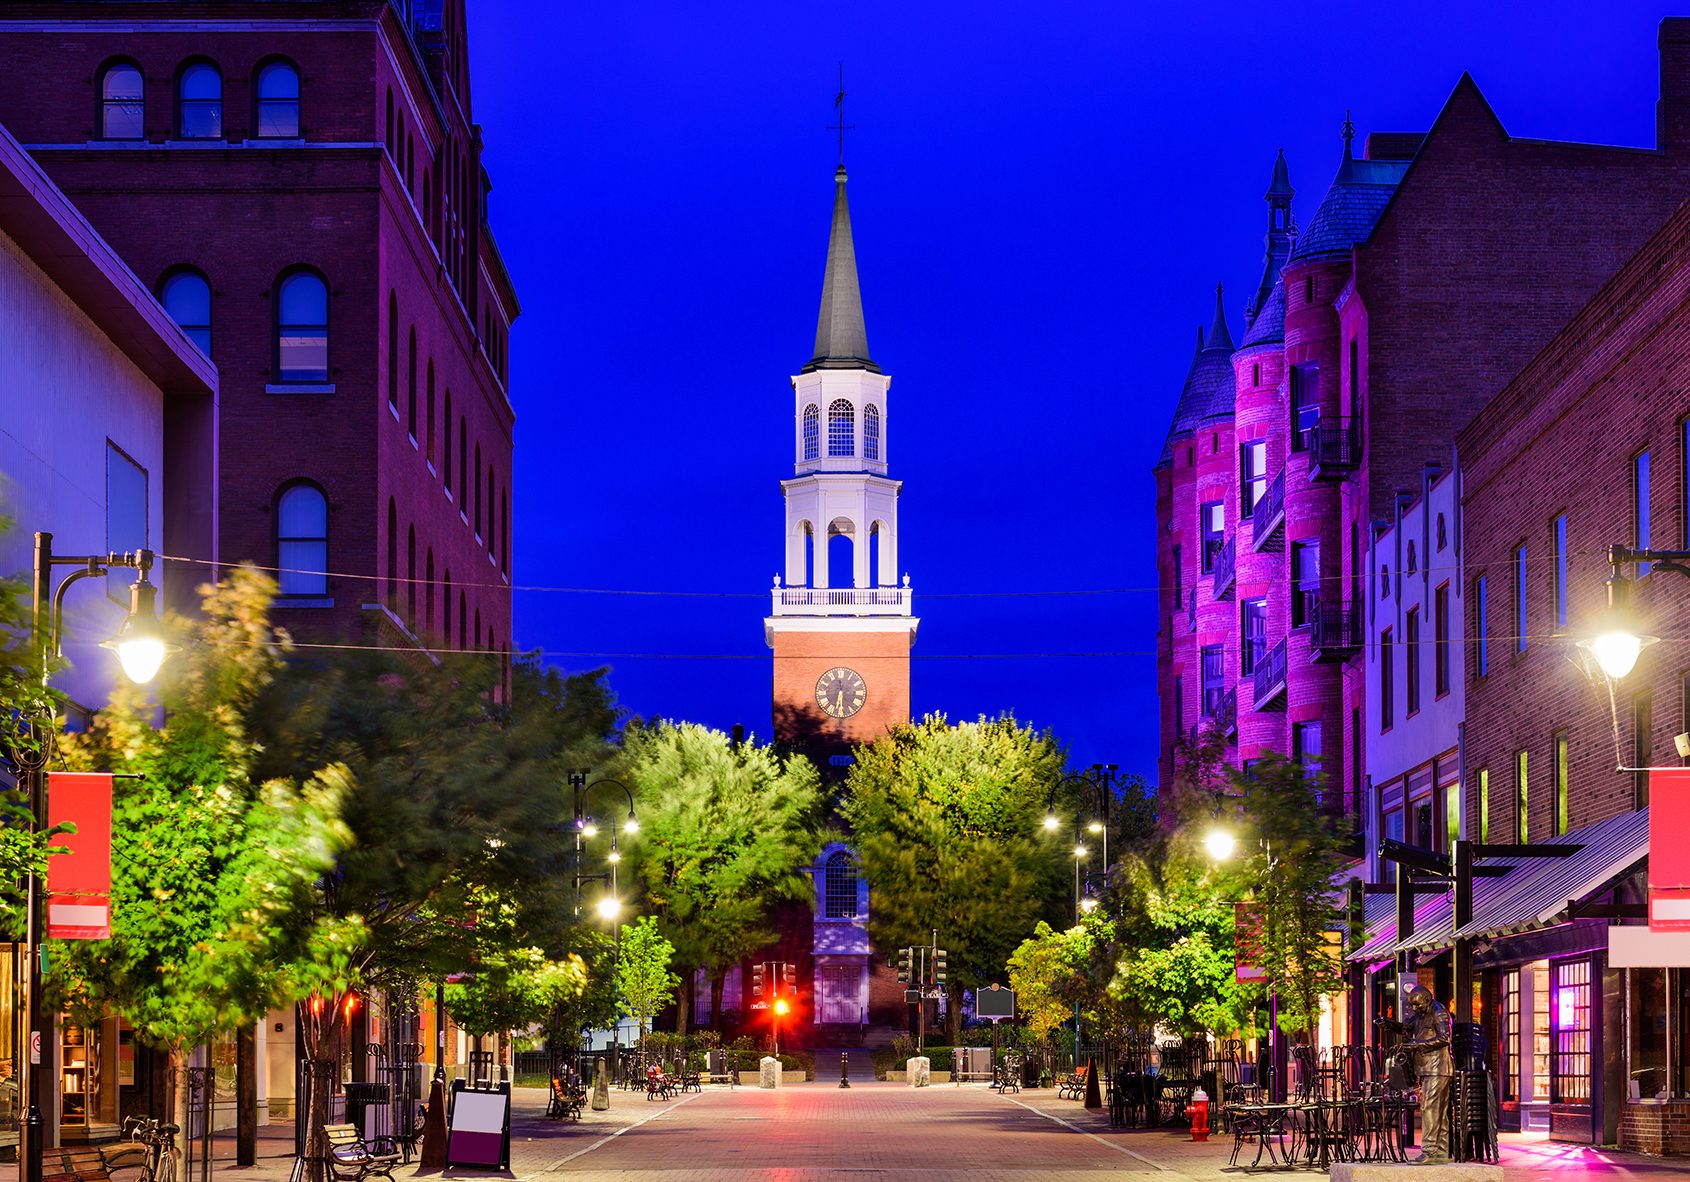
point(882, 659)
point(381, 194)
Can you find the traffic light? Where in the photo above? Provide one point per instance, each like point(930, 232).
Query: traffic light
point(939, 967)
point(904, 966)
point(789, 976)
point(757, 982)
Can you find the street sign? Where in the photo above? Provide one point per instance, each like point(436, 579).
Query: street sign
point(759, 1005)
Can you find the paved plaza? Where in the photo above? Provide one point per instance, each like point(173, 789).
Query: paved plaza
point(812, 1132)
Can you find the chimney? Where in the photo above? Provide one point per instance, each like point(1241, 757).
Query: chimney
point(1672, 112)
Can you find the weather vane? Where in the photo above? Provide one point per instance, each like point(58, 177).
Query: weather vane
point(839, 111)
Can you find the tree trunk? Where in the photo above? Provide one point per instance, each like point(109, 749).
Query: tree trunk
point(246, 1096)
point(953, 1011)
point(179, 1105)
point(683, 1003)
point(718, 987)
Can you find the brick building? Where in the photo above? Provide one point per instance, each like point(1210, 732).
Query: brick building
point(1433, 268)
point(301, 184)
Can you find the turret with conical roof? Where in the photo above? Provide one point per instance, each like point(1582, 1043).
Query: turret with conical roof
point(1352, 205)
point(1278, 199)
point(1209, 384)
point(841, 337)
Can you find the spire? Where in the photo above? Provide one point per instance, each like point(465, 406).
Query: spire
point(1281, 185)
point(841, 339)
point(1219, 337)
point(1279, 233)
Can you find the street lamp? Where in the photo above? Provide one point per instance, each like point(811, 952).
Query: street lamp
point(141, 646)
point(1219, 843)
point(1616, 642)
point(609, 906)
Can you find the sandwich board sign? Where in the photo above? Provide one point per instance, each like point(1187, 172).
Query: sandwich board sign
point(480, 1134)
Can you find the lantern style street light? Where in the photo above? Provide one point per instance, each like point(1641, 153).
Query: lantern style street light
point(1617, 641)
point(141, 646)
point(609, 906)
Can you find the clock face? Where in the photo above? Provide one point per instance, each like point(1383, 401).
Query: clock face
point(841, 692)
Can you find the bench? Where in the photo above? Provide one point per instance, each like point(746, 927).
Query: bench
point(659, 1086)
point(74, 1163)
point(566, 1101)
point(1073, 1087)
point(352, 1159)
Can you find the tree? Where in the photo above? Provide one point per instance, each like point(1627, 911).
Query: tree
point(214, 874)
point(1037, 971)
point(642, 971)
point(514, 990)
point(725, 832)
point(948, 824)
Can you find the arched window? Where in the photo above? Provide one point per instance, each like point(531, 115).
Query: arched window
point(387, 140)
point(463, 623)
point(446, 606)
point(492, 548)
point(477, 515)
point(393, 350)
point(428, 592)
point(477, 636)
point(199, 102)
point(463, 465)
point(277, 96)
point(871, 432)
point(123, 104)
point(841, 428)
point(505, 531)
point(447, 451)
point(302, 540)
point(302, 328)
point(1411, 566)
point(411, 385)
point(392, 554)
point(187, 297)
point(428, 427)
point(840, 891)
point(812, 431)
point(411, 575)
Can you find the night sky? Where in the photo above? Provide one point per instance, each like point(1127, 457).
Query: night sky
point(1043, 198)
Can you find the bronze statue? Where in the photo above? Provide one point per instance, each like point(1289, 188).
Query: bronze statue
point(1428, 1043)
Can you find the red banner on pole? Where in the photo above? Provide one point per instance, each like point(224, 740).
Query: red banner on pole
point(79, 882)
point(1247, 941)
point(1669, 849)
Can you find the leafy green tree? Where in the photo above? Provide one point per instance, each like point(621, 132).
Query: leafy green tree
point(1038, 970)
point(948, 824)
point(642, 971)
point(514, 990)
point(594, 1006)
point(725, 832)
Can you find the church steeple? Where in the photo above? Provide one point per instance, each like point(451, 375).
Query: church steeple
point(841, 338)
point(1279, 232)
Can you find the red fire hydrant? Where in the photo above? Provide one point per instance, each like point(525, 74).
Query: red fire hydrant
point(1198, 1111)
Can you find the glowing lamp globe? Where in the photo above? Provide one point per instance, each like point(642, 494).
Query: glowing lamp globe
point(1616, 650)
point(1220, 844)
point(609, 907)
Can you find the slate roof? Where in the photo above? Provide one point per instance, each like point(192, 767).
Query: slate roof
point(1268, 328)
point(1210, 385)
point(1351, 207)
point(841, 338)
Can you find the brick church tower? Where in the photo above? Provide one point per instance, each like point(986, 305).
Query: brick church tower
point(840, 624)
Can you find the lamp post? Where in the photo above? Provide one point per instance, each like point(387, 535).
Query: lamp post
point(141, 645)
point(1616, 642)
point(1220, 844)
point(609, 906)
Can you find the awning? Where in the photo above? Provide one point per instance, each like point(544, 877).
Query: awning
point(1533, 894)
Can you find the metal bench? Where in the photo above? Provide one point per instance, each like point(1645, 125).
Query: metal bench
point(352, 1159)
point(1073, 1087)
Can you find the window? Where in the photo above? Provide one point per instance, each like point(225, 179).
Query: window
point(1480, 627)
point(393, 351)
point(1384, 582)
point(126, 516)
point(411, 575)
point(428, 592)
point(463, 465)
point(1423, 829)
point(1684, 519)
point(1509, 1058)
point(446, 607)
point(1520, 577)
point(1254, 648)
point(1440, 641)
point(302, 328)
point(1640, 528)
point(1211, 519)
point(1308, 290)
point(1179, 706)
point(1521, 812)
point(1305, 404)
point(122, 102)
point(199, 102)
point(411, 385)
point(1570, 1073)
point(841, 428)
point(392, 554)
point(302, 540)
point(1452, 814)
point(1179, 579)
point(187, 297)
point(1484, 804)
point(1394, 831)
point(1355, 375)
point(1252, 467)
point(477, 515)
point(1411, 644)
point(871, 432)
point(1443, 534)
point(1558, 540)
point(1387, 681)
point(1642, 747)
point(1305, 578)
point(1561, 802)
point(277, 96)
point(1256, 373)
point(1647, 1031)
point(1413, 565)
point(840, 891)
point(1305, 747)
point(428, 426)
point(1214, 679)
point(812, 431)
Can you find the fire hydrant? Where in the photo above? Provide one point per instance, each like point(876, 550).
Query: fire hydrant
point(1198, 1111)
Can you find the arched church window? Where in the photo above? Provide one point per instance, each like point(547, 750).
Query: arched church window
point(841, 886)
point(812, 430)
point(841, 428)
point(871, 432)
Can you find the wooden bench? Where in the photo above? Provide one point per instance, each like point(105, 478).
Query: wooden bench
point(74, 1163)
point(1073, 1086)
point(352, 1159)
point(567, 1100)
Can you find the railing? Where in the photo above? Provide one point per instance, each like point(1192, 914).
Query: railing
point(1335, 630)
point(1227, 716)
point(1191, 610)
point(842, 601)
point(1226, 565)
point(1334, 448)
point(1269, 676)
point(1268, 512)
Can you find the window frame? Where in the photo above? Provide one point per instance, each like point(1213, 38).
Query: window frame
point(1522, 581)
point(279, 325)
point(1253, 480)
point(810, 432)
point(1305, 600)
point(1303, 399)
point(1642, 516)
point(259, 101)
point(1441, 679)
point(1411, 662)
point(1387, 681)
point(1211, 665)
point(1558, 542)
point(279, 540)
point(182, 103)
point(1213, 536)
point(1252, 647)
point(841, 411)
point(871, 432)
point(187, 271)
point(103, 103)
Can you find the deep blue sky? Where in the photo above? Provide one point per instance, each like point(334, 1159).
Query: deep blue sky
point(1043, 196)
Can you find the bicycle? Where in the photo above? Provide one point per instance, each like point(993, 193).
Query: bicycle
point(148, 1149)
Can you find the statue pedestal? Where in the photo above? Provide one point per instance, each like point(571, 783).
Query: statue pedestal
point(768, 1072)
point(920, 1069)
point(1454, 1171)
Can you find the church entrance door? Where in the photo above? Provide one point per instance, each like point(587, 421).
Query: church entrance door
point(841, 1003)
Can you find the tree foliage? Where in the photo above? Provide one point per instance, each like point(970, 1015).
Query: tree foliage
point(643, 978)
point(514, 989)
point(725, 832)
point(948, 824)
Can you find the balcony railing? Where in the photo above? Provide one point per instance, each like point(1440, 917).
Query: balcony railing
point(1335, 631)
point(842, 601)
point(1191, 610)
point(1269, 513)
point(1334, 449)
point(1226, 566)
point(1227, 717)
point(1269, 676)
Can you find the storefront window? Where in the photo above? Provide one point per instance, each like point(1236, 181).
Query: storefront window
point(1570, 1014)
point(1510, 1065)
point(1681, 1029)
point(1648, 1034)
point(1540, 1030)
